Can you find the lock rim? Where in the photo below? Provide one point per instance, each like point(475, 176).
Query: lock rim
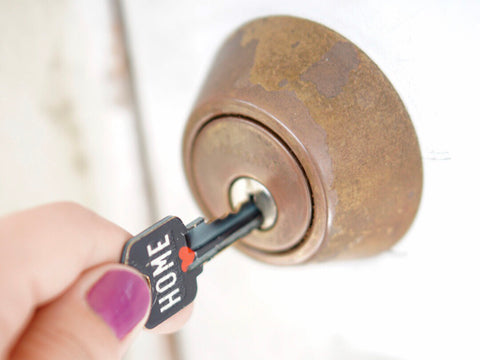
point(315, 232)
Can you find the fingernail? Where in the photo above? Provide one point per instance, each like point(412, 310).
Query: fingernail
point(121, 298)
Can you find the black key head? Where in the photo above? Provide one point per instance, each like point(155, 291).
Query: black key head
point(161, 253)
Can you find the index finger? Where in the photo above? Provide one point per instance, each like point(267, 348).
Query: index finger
point(42, 251)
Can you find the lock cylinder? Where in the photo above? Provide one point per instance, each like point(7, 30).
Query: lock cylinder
point(305, 118)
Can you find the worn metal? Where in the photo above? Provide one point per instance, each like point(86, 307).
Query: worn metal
point(228, 148)
point(302, 110)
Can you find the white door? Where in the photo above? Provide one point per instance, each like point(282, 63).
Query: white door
point(75, 125)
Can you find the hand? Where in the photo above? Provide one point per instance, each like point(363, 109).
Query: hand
point(63, 294)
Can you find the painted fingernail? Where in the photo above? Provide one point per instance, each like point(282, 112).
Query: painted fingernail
point(121, 298)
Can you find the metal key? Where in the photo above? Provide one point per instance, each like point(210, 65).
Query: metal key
point(171, 255)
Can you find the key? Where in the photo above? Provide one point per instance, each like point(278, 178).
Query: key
point(171, 255)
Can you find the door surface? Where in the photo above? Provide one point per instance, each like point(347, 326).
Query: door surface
point(93, 100)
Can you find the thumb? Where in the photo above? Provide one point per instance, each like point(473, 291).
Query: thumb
point(96, 318)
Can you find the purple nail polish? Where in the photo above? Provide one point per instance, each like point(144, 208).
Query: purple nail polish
point(121, 298)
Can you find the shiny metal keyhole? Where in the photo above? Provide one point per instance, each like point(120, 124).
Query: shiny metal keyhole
point(243, 188)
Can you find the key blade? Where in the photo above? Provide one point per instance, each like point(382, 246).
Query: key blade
point(208, 239)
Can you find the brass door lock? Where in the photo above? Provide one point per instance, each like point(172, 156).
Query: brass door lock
point(296, 112)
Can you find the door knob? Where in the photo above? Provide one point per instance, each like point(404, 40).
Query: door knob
point(293, 111)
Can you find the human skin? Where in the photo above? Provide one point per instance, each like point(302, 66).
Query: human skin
point(61, 283)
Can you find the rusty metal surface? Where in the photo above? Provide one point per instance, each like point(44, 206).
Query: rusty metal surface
point(228, 148)
point(339, 118)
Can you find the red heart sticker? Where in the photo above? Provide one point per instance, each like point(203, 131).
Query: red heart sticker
point(187, 256)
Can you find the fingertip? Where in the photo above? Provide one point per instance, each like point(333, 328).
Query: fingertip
point(98, 317)
point(121, 297)
point(176, 322)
